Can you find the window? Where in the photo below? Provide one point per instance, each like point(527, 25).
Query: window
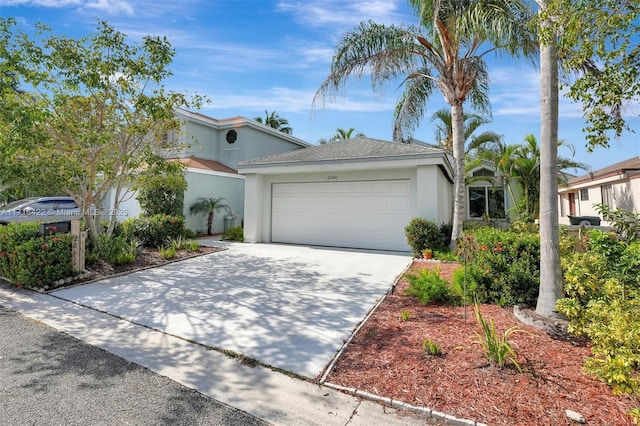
point(607, 195)
point(483, 172)
point(486, 201)
point(584, 195)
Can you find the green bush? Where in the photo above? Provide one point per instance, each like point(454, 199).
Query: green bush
point(602, 287)
point(505, 268)
point(422, 233)
point(458, 287)
point(30, 260)
point(428, 286)
point(116, 250)
point(154, 231)
point(160, 191)
point(234, 234)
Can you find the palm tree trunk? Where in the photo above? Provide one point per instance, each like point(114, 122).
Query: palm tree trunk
point(209, 223)
point(550, 277)
point(457, 124)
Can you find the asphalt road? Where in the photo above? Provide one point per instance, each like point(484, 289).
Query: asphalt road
point(50, 378)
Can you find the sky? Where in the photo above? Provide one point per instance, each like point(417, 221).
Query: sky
point(248, 56)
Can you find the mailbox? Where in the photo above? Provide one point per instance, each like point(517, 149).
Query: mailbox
point(55, 228)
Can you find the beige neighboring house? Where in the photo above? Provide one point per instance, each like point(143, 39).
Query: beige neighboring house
point(356, 193)
point(617, 186)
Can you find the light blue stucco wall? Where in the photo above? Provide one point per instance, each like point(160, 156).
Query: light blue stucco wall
point(251, 143)
point(208, 185)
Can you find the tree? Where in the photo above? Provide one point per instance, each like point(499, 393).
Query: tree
point(471, 123)
point(445, 52)
point(95, 114)
point(342, 134)
point(520, 164)
point(208, 206)
point(275, 121)
point(592, 32)
point(599, 41)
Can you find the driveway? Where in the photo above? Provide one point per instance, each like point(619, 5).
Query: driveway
point(291, 307)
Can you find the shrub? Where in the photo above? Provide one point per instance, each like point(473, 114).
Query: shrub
point(154, 231)
point(193, 245)
point(431, 348)
point(233, 234)
point(405, 315)
point(602, 302)
point(422, 233)
point(161, 190)
point(28, 259)
point(428, 286)
point(458, 287)
point(168, 252)
point(505, 267)
point(116, 250)
point(497, 348)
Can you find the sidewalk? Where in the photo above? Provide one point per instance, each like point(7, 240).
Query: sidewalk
point(268, 395)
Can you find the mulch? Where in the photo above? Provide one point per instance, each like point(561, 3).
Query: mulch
point(386, 358)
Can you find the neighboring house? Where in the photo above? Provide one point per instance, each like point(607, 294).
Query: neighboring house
point(212, 150)
point(617, 186)
point(357, 193)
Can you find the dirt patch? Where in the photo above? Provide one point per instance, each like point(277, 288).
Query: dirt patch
point(385, 358)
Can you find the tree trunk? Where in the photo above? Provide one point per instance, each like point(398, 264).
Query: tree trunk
point(209, 223)
point(457, 125)
point(550, 276)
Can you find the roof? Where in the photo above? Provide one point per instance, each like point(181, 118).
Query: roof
point(625, 169)
point(201, 163)
point(360, 148)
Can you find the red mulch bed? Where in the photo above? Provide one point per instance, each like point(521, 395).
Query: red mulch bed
point(385, 358)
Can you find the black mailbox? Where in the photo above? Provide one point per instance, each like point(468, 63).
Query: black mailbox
point(55, 228)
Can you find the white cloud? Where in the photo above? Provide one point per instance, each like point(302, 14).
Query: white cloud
point(113, 7)
point(340, 13)
point(284, 99)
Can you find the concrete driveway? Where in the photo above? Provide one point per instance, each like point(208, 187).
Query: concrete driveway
point(287, 306)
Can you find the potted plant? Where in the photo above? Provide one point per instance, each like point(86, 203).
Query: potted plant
point(427, 253)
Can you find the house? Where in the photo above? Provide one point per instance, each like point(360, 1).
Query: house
point(211, 150)
point(357, 193)
point(487, 194)
point(617, 186)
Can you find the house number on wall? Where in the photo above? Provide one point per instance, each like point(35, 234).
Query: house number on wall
point(332, 177)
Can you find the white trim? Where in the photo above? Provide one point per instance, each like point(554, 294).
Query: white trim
point(214, 173)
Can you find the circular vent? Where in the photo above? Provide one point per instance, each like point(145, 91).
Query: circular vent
point(232, 136)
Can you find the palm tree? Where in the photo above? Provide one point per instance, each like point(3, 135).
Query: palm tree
point(447, 57)
point(444, 132)
point(342, 134)
point(520, 163)
point(551, 288)
point(275, 121)
point(208, 206)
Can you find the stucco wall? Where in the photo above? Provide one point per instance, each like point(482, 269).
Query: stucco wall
point(213, 185)
point(211, 144)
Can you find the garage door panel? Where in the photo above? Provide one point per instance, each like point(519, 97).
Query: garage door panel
point(364, 214)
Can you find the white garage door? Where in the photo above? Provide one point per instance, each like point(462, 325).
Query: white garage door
point(362, 214)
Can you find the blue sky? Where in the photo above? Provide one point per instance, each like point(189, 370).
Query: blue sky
point(250, 55)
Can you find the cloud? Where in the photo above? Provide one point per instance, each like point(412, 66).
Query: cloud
point(283, 99)
point(113, 7)
point(337, 13)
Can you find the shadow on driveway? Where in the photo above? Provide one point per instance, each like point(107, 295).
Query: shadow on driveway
point(291, 307)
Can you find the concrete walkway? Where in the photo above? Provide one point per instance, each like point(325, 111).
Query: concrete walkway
point(290, 307)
